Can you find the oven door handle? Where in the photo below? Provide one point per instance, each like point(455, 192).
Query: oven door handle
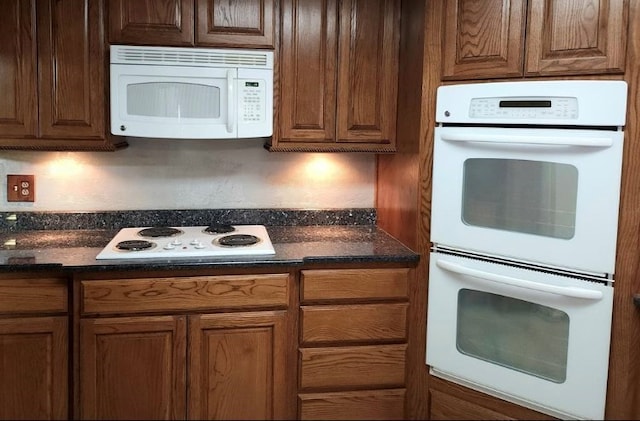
point(520, 283)
point(596, 142)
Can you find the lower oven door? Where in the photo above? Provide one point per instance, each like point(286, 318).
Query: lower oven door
point(537, 339)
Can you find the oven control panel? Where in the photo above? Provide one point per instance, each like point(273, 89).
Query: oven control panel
point(565, 108)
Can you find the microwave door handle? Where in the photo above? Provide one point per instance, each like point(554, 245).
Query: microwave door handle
point(230, 106)
point(572, 292)
point(597, 142)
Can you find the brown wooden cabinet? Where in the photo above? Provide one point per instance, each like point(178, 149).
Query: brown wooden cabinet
point(53, 78)
point(488, 39)
point(145, 342)
point(188, 23)
point(34, 337)
point(353, 340)
point(338, 76)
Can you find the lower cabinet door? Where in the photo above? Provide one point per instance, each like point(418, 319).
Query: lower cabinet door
point(133, 368)
point(238, 367)
point(34, 368)
point(384, 404)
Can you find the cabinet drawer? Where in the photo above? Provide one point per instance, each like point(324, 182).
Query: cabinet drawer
point(33, 295)
point(189, 293)
point(354, 284)
point(353, 323)
point(352, 367)
point(386, 404)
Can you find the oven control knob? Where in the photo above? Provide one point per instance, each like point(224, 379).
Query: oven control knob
point(169, 246)
point(194, 242)
point(200, 246)
point(176, 242)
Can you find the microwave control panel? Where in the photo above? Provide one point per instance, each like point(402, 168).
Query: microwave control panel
point(524, 107)
point(252, 100)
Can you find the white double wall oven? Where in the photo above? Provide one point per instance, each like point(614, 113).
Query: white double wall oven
point(526, 187)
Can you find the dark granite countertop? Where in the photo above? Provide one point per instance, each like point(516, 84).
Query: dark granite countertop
point(75, 250)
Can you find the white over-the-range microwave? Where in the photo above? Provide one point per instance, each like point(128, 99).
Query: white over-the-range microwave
point(191, 93)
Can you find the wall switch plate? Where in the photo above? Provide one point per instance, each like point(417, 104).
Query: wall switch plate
point(21, 188)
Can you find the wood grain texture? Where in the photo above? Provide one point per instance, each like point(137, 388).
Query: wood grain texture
point(623, 392)
point(576, 37)
point(34, 361)
point(39, 296)
point(237, 366)
point(18, 79)
point(385, 404)
point(180, 294)
point(374, 366)
point(133, 368)
point(447, 407)
point(236, 23)
point(483, 39)
point(353, 323)
point(354, 284)
point(151, 22)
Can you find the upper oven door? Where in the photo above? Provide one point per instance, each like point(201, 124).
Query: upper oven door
point(545, 196)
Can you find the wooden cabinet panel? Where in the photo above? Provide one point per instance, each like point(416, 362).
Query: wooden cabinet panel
point(18, 77)
point(133, 368)
point(486, 39)
point(244, 23)
point(368, 71)
point(576, 37)
point(151, 22)
point(386, 404)
point(338, 76)
point(352, 367)
point(447, 407)
point(368, 322)
point(354, 284)
point(238, 366)
point(308, 57)
point(71, 71)
point(189, 293)
point(34, 368)
point(33, 296)
point(483, 39)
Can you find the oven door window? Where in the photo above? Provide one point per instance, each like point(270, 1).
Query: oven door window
point(513, 333)
point(173, 100)
point(533, 197)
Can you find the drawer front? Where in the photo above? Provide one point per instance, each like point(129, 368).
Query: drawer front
point(352, 367)
point(386, 404)
point(33, 296)
point(189, 293)
point(354, 284)
point(354, 323)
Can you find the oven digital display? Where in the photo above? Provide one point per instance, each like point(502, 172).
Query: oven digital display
point(525, 104)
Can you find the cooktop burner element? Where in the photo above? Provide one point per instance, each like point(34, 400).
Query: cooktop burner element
point(219, 229)
point(134, 245)
point(188, 242)
point(159, 232)
point(238, 240)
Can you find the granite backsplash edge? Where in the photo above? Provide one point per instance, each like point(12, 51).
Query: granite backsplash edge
point(28, 221)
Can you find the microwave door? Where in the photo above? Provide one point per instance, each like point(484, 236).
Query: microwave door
point(165, 102)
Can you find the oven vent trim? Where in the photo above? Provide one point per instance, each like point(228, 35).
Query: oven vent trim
point(604, 279)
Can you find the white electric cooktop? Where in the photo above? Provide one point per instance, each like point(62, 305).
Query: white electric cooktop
point(197, 241)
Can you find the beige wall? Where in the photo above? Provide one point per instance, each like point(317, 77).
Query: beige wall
point(191, 174)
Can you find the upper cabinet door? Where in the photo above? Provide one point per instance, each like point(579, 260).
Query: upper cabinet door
point(18, 77)
point(151, 22)
point(368, 71)
point(486, 39)
point(71, 69)
point(576, 37)
point(308, 55)
point(242, 23)
point(483, 39)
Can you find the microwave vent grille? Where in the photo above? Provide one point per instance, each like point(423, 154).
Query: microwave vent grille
point(191, 57)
